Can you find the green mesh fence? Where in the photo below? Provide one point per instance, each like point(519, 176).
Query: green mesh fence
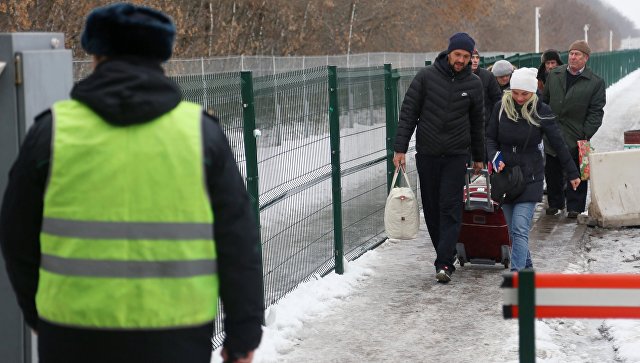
point(405, 76)
point(362, 157)
point(219, 94)
point(295, 187)
point(611, 66)
point(294, 156)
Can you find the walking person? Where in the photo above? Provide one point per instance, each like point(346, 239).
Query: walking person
point(549, 60)
point(125, 215)
point(502, 70)
point(516, 127)
point(444, 106)
point(577, 96)
point(491, 89)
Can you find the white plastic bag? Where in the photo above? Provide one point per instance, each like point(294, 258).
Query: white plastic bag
point(401, 216)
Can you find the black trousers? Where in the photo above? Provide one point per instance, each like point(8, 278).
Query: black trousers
point(441, 187)
point(58, 344)
point(559, 188)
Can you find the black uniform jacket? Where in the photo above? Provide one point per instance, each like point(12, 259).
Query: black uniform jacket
point(127, 91)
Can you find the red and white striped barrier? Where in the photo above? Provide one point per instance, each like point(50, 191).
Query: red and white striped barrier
point(577, 296)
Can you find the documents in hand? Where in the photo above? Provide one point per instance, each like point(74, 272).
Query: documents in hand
point(496, 161)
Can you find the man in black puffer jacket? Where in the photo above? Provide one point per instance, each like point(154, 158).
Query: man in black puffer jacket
point(445, 104)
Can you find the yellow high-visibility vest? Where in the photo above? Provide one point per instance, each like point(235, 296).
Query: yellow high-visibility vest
point(127, 232)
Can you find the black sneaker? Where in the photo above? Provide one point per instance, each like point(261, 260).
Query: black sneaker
point(552, 211)
point(572, 215)
point(443, 275)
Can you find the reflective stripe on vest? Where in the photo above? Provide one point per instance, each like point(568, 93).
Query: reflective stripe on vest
point(132, 269)
point(127, 233)
point(126, 230)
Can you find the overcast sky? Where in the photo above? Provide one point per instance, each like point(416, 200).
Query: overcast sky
point(628, 8)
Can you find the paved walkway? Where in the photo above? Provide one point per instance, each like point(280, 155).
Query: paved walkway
point(400, 314)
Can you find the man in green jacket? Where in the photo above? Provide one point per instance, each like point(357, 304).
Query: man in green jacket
point(577, 96)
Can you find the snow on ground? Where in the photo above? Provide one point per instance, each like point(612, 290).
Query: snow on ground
point(387, 307)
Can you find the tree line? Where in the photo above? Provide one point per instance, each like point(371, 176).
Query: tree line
point(208, 28)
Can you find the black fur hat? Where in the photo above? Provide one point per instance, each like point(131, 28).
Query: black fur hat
point(551, 54)
point(127, 29)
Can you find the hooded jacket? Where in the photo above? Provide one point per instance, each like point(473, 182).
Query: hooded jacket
point(447, 111)
point(126, 91)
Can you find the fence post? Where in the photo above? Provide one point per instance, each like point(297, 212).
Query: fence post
point(526, 315)
point(336, 187)
point(390, 108)
point(251, 152)
point(250, 146)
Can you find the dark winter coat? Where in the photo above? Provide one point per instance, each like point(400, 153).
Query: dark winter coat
point(509, 137)
point(580, 110)
point(447, 109)
point(124, 92)
point(492, 92)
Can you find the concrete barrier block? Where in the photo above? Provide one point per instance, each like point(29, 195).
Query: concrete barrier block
point(615, 188)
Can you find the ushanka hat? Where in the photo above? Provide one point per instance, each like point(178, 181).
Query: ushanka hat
point(461, 41)
point(127, 29)
point(551, 54)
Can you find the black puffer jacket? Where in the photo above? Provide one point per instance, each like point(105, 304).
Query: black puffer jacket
point(448, 110)
point(124, 92)
point(510, 137)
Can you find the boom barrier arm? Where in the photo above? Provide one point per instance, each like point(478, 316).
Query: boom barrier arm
point(528, 295)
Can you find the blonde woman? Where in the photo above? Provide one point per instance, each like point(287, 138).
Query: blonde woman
point(516, 127)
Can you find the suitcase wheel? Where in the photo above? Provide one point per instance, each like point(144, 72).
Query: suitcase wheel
point(506, 255)
point(462, 254)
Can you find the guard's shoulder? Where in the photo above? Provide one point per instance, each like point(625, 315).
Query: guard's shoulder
point(210, 117)
point(44, 115)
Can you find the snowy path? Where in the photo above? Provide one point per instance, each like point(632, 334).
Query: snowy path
point(402, 314)
point(387, 307)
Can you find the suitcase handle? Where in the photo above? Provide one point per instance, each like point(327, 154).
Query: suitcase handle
point(488, 206)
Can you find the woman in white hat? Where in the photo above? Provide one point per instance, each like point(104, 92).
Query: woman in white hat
point(516, 127)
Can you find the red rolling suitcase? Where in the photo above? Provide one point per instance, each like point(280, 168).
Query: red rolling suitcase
point(484, 236)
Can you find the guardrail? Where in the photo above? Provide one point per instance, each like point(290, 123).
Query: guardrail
point(528, 295)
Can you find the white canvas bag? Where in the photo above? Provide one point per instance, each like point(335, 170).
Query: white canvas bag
point(401, 216)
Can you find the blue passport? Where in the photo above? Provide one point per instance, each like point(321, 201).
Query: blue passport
point(496, 161)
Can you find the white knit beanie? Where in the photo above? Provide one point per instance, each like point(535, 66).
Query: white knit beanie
point(502, 68)
point(524, 79)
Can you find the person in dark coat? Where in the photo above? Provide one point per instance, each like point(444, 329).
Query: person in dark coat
point(445, 107)
point(549, 60)
point(491, 88)
point(129, 91)
point(516, 127)
point(578, 96)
